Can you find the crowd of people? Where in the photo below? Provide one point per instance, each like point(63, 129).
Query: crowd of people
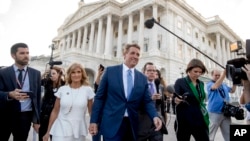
point(125, 104)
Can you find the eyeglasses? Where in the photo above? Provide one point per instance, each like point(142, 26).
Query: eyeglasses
point(151, 70)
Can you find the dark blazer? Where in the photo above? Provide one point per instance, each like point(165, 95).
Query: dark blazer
point(110, 101)
point(188, 112)
point(8, 83)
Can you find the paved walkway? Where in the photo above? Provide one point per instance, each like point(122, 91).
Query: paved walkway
point(169, 137)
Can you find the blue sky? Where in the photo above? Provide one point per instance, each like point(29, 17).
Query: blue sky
point(35, 22)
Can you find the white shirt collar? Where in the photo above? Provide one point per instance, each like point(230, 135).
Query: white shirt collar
point(16, 68)
point(125, 68)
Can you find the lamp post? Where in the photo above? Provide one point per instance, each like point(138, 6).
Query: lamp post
point(181, 72)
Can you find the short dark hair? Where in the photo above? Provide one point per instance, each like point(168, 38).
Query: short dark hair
point(144, 67)
point(15, 47)
point(196, 63)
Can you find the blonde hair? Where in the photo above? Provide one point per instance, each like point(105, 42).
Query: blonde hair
point(84, 78)
point(128, 46)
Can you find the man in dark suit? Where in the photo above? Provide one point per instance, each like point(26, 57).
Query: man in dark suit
point(146, 131)
point(20, 94)
point(122, 91)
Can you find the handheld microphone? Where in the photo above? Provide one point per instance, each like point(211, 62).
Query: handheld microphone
point(157, 83)
point(175, 94)
point(55, 63)
point(149, 23)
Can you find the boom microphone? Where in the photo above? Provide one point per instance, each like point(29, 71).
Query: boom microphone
point(149, 23)
point(55, 63)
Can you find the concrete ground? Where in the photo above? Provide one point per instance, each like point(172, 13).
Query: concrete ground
point(169, 137)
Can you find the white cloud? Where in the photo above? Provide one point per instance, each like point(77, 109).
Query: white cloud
point(233, 12)
point(4, 6)
point(2, 31)
point(35, 22)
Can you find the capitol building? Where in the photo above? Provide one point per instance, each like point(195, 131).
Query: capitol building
point(96, 33)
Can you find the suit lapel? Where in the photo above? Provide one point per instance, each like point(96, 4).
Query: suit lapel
point(120, 79)
point(31, 76)
point(12, 76)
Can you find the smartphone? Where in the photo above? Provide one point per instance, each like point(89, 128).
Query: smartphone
point(29, 93)
point(25, 97)
point(102, 67)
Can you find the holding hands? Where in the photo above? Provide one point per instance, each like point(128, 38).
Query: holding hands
point(93, 129)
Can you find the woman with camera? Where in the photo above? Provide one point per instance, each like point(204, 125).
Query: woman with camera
point(51, 82)
point(191, 114)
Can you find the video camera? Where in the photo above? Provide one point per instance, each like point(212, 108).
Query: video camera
point(233, 68)
point(233, 111)
point(51, 63)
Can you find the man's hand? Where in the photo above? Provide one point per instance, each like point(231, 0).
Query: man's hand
point(157, 123)
point(156, 96)
point(93, 129)
point(246, 69)
point(17, 95)
point(36, 127)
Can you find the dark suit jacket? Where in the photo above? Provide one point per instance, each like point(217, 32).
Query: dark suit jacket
point(110, 101)
point(8, 83)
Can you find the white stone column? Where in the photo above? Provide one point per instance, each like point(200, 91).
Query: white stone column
point(170, 38)
point(141, 29)
point(165, 36)
point(228, 50)
point(73, 39)
point(91, 38)
point(85, 35)
point(103, 40)
point(218, 47)
point(224, 54)
point(130, 27)
point(99, 36)
point(154, 42)
point(119, 39)
point(108, 46)
point(79, 35)
point(68, 41)
point(64, 43)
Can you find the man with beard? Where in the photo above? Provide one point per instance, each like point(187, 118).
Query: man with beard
point(20, 93)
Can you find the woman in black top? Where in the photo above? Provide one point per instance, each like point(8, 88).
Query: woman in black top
point(51, 82)
point(191, 113)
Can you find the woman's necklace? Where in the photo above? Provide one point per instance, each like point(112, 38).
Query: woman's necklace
point(74, 93)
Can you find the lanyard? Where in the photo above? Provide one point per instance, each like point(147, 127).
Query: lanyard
point(21, 83)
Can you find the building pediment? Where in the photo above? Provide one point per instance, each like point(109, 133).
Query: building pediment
point(215, 24)
point(88, 9)
point(83, 11)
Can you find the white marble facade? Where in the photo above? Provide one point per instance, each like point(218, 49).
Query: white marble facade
point(96, 33)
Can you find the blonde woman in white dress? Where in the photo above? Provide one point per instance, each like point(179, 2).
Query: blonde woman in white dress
point(68, 120)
